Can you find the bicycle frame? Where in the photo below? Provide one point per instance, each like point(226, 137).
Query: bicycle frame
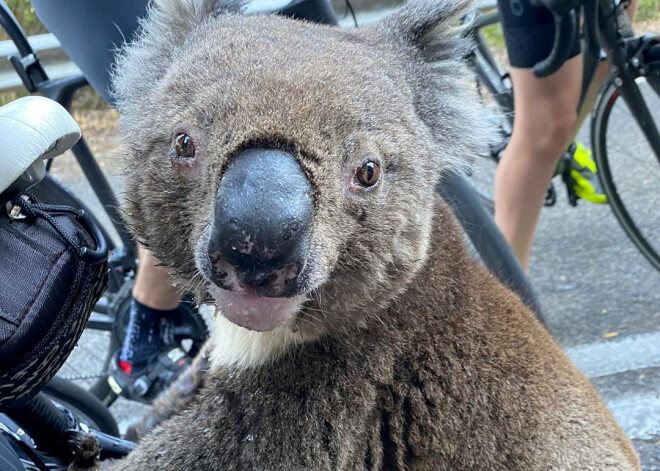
point(622, 63)
point(492, 76)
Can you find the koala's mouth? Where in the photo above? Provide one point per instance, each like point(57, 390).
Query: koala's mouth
point(255, 312)
point(275, 300)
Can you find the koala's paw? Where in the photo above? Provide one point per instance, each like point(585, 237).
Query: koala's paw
point(86, 452)
point(175, 398)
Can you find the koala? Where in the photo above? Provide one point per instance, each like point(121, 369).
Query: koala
point(289, 169)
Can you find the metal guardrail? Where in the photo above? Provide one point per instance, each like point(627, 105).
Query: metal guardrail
point(47, 47)
point(58, 65)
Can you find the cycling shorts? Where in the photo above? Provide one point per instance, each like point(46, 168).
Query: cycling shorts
point(529, 32)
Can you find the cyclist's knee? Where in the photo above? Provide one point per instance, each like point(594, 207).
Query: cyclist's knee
point(550, 131)
point(560, 127)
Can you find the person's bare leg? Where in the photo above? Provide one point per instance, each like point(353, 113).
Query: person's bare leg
point(545, 112)
point(153, 285)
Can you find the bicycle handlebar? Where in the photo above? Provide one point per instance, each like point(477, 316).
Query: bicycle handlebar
point(44, 422)
point(565, 16)
point(565, 27)
point(51, 429)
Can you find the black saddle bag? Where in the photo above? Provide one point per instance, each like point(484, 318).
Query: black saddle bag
point(52, 272)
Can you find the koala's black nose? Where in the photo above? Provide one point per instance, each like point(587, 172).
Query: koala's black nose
point(261, 231)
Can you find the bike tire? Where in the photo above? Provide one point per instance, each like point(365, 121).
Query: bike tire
point(491, 246)
point(626, 195)
point(86, 407)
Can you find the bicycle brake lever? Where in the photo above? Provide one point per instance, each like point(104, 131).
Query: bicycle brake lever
point(565, 30)
point(565, 16)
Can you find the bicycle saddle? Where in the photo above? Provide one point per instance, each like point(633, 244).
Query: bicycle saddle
point(32, 129)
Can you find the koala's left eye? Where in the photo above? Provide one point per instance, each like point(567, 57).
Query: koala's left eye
point(184, 147)
point(369, 174)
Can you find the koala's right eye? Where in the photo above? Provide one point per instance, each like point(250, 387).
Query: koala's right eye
point(184, 147)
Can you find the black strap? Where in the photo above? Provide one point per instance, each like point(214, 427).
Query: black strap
point(31, 209)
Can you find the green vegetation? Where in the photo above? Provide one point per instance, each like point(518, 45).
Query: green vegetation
point(494, 36)
point(648, 10)
point(26, 17)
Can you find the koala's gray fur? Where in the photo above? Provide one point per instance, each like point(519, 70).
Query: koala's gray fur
point(406, 354)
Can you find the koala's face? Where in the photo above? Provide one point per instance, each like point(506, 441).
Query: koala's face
point(286, 167)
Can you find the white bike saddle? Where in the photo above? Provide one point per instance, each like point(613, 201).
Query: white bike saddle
point(32, 129)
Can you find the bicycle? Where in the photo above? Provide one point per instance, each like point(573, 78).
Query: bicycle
point(634, 77)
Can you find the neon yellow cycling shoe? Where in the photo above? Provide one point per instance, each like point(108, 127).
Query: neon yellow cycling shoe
point(584, 175)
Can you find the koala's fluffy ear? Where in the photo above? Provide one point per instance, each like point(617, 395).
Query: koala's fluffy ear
point(174, 18)
point(427, 34)
point(426, 25)
point(142, 62)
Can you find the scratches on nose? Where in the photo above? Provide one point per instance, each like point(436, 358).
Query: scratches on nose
point(228, 277)
point(223, 273)
point(247, 244)
point(275, 280)
point(288, 274)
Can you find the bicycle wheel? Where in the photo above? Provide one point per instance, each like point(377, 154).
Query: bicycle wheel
point(628, 168)
point(491, 248)
point(87, 408)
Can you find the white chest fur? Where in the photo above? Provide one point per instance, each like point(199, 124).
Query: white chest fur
point(237, 347)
